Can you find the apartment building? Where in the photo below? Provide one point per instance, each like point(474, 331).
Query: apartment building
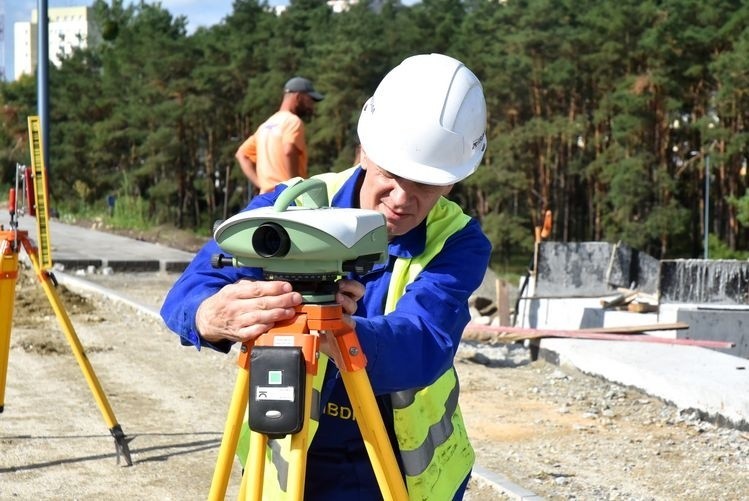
point(68, 28)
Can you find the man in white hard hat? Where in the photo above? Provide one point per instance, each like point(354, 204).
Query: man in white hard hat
point(421, 132)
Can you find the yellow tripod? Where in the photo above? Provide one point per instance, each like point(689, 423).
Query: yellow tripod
point(11, 242)
point(303, 331)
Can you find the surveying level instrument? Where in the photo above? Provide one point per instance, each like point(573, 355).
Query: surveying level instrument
point(310, 246)
point(34, 193)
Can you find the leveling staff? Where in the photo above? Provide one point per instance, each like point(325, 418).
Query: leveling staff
point(421, 132)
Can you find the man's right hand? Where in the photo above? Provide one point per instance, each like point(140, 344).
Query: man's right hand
point(244, 310)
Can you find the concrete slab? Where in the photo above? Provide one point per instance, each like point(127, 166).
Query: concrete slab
point(712, 383)
point(503, 485)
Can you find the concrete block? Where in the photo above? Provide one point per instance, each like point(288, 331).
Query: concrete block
point(133, 265)
point(175, 266)
point(76, 264)
point(629, 268)
point(573, 269)
point(560, 313)
point(717, 325)
point(579, 269)
point(699, 281)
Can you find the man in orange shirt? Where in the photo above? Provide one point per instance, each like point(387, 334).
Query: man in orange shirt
point(277, 151)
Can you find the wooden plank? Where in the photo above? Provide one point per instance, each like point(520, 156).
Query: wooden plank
point(627, 333)
point(624, 329)
point(642, 307)
point(510, 334)
point(503, 302)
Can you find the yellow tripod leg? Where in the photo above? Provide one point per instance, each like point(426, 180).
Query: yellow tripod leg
point(375, 436)
point(254, 468)
point(121, 441)
point(243, 486)
point(298, 453)
point(350, 359)
point(229, 440)
point(8, 277)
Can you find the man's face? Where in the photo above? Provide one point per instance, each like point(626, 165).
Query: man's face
point(305, 106)
point(405, 204)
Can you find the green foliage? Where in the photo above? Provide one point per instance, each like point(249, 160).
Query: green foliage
point(130, 209)
point(717, 249)
point(131, 212)
point(603, 112)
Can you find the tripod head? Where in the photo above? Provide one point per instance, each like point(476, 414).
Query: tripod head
point(309, 246)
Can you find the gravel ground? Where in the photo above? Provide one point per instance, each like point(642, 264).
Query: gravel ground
point(556, 432)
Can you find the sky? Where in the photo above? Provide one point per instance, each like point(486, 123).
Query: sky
point(198, 13)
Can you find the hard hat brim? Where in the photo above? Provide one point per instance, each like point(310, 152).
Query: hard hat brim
point(384, 152)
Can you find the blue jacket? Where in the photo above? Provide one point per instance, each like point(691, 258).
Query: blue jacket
point(409, 348)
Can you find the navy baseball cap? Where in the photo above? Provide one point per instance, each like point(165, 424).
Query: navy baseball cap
point(300, 84)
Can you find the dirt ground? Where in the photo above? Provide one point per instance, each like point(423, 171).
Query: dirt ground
point(552, 430)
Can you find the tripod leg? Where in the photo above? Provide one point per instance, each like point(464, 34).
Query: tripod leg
point(375, 436)
point(298, 453)
point(234, 420)
point(8, 277)
point(352, 363)
point(255, 467)
point(298, 442)
point(242, 496)
point(120, 440)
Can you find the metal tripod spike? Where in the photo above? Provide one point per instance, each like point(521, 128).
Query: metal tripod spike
point(11, 242)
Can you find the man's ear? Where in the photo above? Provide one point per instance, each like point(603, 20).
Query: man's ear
point(363, 158)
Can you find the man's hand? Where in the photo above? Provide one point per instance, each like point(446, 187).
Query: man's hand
point(246, 309)
point(349, 292)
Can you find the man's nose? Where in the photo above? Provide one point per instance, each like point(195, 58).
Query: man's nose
point(399, 194)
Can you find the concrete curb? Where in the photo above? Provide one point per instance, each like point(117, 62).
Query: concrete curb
point(124, 265)
point(503, 485)
point(81, 285)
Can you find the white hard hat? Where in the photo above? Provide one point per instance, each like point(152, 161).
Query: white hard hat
point(426, 121)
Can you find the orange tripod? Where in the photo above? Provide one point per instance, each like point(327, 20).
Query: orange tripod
point(303, 331)
point(11, 242)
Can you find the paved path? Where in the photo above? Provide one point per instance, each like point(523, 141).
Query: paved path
point(75, 247)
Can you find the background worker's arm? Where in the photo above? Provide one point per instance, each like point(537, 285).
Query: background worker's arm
point(248, 167)
point(291, 159)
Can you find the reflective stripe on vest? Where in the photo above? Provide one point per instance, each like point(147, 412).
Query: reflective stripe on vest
point(417, 451)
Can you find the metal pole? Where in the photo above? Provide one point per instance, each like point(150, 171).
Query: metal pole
point(43, 78)
point(707, 204)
